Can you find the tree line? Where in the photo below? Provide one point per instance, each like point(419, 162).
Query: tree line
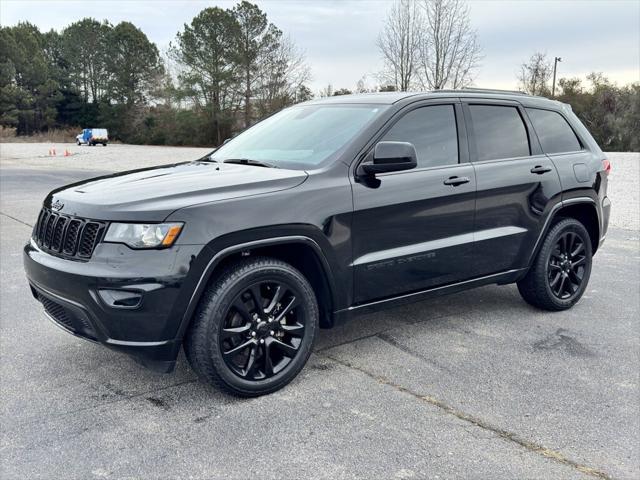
point(610, 112)
point(226, 69)
point(229, 68)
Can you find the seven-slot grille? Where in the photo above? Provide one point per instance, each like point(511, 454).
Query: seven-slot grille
point(66, 235)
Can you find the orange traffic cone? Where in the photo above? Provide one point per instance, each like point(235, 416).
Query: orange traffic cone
point(66, 152)
point(53, 151)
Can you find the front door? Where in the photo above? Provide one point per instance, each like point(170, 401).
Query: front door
point(414, 229)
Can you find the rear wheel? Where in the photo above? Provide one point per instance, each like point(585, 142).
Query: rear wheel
point(254, 328)
point(561, 270)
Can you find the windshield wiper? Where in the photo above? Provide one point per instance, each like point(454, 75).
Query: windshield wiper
point(248, 161)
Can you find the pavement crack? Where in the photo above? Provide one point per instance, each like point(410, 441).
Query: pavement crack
point(385, 337)
point(364, 337)
point(529, 445)
point(380, 332)
point(16, 219)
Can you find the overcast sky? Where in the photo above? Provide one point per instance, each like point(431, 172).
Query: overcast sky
point(338, 37)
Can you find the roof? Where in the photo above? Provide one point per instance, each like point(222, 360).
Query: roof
point(389, 98)
point(383, 98)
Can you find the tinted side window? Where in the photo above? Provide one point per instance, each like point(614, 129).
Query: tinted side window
point(554, 133)
point(499, 132)
point(432, 130)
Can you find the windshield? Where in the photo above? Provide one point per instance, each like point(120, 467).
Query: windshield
point(299, 137)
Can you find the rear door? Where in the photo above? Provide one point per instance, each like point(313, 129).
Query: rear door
point(517, 184)
point(576, 165)
point(414, 229)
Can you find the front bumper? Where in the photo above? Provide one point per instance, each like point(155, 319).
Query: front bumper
point(78, 297)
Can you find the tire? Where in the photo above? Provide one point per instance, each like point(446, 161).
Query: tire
point(270, 344)
point(104, 144)
point(561, 270)
point(78, 142)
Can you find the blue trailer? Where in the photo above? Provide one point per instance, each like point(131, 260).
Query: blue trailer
point(93, 136)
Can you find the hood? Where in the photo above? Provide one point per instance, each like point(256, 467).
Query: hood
point(151, 194)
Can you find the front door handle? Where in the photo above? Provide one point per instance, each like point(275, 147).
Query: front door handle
point(539, 169)
point(455, 181)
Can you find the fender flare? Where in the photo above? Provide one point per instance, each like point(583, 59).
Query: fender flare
point(225, 252)
point(551, 216)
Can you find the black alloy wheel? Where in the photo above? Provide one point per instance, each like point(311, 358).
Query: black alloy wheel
point(559, 274)
point(566, 265)
point(254, 328)
point(263, 330)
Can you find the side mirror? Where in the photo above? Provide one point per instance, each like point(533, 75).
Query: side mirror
point(391, 157)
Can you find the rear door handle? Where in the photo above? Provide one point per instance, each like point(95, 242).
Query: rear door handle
point(455, 181)
point(539, 169)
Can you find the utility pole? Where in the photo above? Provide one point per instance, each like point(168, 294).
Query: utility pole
point(555, 66)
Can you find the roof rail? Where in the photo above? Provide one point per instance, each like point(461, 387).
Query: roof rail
point(480, 90)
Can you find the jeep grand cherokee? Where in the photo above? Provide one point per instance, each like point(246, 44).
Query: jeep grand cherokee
point(327, 209)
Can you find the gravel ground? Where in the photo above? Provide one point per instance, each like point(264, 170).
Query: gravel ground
point(475, 385)
point(624, 190)
point(114, 157)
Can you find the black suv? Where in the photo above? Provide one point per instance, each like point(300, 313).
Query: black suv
point(321, 211)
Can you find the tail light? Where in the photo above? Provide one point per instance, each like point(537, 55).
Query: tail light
point(606, 166)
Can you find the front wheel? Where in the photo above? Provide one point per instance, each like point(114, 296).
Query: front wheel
point(254, 328)
point(561, 270)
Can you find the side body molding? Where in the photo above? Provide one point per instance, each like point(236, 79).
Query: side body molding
point(225, 252)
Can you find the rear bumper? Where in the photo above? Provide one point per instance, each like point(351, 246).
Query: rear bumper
point(606, 212)
point(78, 297)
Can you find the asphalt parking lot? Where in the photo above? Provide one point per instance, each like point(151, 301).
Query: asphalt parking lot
point(474, 385)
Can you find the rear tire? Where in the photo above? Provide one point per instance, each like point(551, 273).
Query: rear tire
point(561, 270)
point(254, 328)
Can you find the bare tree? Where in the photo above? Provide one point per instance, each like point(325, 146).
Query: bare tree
point(326, 91)
point(449, 50)
point(282, 73)
point(535, 74)
point(399, 43)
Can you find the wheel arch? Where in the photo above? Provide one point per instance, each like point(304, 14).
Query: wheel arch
point(585, 212)
point(302, 252)
point(582, 209)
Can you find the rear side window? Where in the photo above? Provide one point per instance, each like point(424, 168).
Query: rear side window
point(554, 133)
point(499, 132)
point(432, 130)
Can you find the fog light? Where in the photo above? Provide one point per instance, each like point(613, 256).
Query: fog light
point(121, 298)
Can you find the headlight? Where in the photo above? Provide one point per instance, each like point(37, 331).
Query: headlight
point(143, 235)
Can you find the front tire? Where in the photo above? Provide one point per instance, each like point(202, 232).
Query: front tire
point(254, 328)
point(561, 270)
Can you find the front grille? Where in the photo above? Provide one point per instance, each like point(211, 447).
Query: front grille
point(67, 236)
